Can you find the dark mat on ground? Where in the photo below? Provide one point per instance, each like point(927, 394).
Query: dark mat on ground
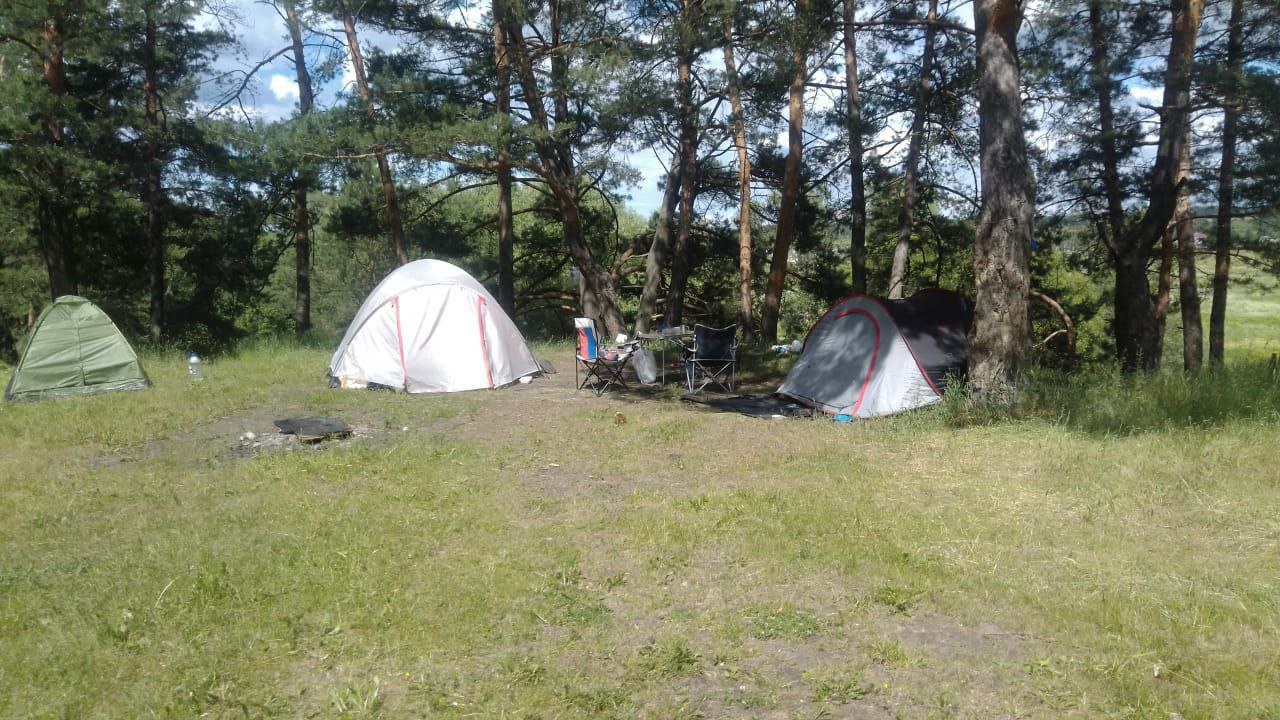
point(767, 407)
point(313, 429)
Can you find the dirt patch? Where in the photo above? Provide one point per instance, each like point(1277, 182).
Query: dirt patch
point(855, 662)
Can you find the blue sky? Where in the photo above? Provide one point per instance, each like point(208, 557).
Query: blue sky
point(273, 93)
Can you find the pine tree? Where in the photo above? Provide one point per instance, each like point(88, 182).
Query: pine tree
point(998, 341)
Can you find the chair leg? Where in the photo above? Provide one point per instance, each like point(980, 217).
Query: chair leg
point(722, 375)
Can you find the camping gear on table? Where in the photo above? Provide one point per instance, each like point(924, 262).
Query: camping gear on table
point(431, 327)
point(75, 349)
point(867, 356)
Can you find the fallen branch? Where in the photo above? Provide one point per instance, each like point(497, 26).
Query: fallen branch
point(1069, 327)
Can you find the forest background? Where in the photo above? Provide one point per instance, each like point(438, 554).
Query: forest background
point(805, 149)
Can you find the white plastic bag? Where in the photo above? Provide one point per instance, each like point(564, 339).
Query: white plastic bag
point(646, 367)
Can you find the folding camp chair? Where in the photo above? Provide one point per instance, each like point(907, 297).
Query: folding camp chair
point(713, 359)
point(596, 366)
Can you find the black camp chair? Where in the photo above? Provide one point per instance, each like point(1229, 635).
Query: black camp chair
point(713, 359)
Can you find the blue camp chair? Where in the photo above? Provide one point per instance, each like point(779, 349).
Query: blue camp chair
point(597, 366)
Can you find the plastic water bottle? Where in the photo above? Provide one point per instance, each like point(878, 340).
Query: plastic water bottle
point(193, 368)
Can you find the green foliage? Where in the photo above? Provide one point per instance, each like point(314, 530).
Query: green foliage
point(1104, 402)
point(668, 658)
point(837, 684)
point(771, 623)
point(227, 181)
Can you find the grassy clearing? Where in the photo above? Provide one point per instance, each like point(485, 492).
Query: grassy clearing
point(523, 554)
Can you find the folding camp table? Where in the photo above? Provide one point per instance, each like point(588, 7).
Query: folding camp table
point(674, 339)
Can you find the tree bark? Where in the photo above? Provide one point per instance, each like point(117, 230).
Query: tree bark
point(1137, 341)
point(301, 184)
point(746, 315)
point(1000, 336)
point(53, 220)
point(1164, 292)
point(1101, 63)
point(786, 227)
point(659, 249)
point(853, 125)
point(506, 225)
point(394, 221)
point(911, 175)
point(1188, 293)
point(1226, 182)
point(155, 166)
point(688, 171)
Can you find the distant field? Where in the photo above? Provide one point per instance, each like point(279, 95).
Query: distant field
point(1253, 312)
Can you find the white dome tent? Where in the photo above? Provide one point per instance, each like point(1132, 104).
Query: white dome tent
point(868, 357)
point(431, 327)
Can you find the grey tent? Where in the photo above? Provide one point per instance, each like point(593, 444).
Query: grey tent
point(75, 349)
point(867, 356)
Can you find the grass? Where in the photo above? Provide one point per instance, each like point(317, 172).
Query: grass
point(1108, 551)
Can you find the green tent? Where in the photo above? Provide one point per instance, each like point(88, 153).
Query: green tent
point(75, 349)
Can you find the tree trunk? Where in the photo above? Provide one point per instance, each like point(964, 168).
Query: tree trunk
point(786, 228)
point(1164, 294)
point(598, 296)
point(54, 246)
point(53, 216)
point(1000, 337)
point(659, 249)
point(301, 216)
point(1135, 328)
point(1188, 293)
point(506, 225)
point(911, 177)
point(394, 221)
point(853, 121)
point(688, 173)
point(155, 165)
point(1134, 325)
point(555, 167)
point(1099, 51)
point(1226, 182)
point(746, 315)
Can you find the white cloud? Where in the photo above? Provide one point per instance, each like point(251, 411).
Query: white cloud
point(283, 88)
point(348, 72)
point(1148, 95)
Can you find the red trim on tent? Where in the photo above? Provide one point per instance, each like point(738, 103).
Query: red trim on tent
point(404, 370)
point(484, 343)
point(885, 308)
point(920, 367)
point(875, 353)
point(879, 301)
